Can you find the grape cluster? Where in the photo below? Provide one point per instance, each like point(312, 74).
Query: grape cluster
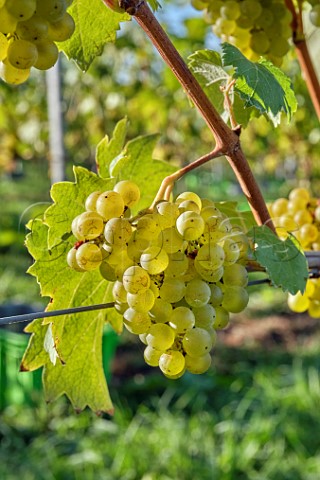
point(299, 215)
point(256, 27)
point(28, 32)
point(178, 271)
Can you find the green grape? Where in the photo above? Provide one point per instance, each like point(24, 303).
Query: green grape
point(119, 260)
point(314, 15)
point(143, 337)
point(279, 207)
point(21, 9)
point(136, 246)
point(72, 260)
point(188, 206)
point(129, 191)
point(209, 211)
point(34, 29)
point(189, 196)
point(197, 293)
point(136, 279)
point(110, 204)
point(172, 362)
point(197, 342)
point(160, 336)
point(182, 319)
point(119, 292)
point(51, 10)
point(120, 308)
point(148, 227)
point(230, 10)
point(235, 299)
point(117, 231)
point(8, 23)
point(236, 275)
point(22, 54)
point(190, 225)
point(170, 240)
point(302, 216)
point(251, 8)
point(91, 201)
point(89, 256)
point(167, 214)
point(300, 193)
point(308, 233)
point(224, 27)
point(141, 302)
point(12, 75)
point(222, 318)
point(177, 266)
point(231, 251)
point(210, 256)
point(191, 272)
point(3, 46)
point(317, 214)
point(259, 42)
point(204, 316)
point(172, 290)
point(279, 46)
point(107, 271)
point(161, 311)
point(245, 22)
point(48, 54)
point(208, 275)
point(314, 308)
point(152, 356)
point(136, 322)
point(199, 364)
point(265, 19)
point(216, 295)
point(241, 37)
point(62, 29)
point(154, 259)
point(87, 226)
point(299, 302)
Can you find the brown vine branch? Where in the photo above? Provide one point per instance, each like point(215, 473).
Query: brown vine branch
point(303, 55)
point(227, 140)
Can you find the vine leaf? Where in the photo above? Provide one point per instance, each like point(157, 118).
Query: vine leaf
point(109, 149)
point(77, 338)
point(261, 85)
point(284, 261)
point(95, 26)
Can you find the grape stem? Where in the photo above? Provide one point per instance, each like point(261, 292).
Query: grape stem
point(228, 104)
point(303, 55)
point(227, 139)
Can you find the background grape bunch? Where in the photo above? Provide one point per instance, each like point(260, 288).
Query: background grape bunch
point(299, 215)
point(28, 32)
point(256, 27)
point(178, 271)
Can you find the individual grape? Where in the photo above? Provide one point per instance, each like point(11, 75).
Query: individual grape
point(230, 10)
point(154, 259)
point(210, 256)
point(172, 290)
point(142, 337)
point(190, 225)
point(170, 240)
point(265, 19)
point(120, 308)
point(299, 302)
point(314, 308)
point(110, 204)
point(12, 75)
point(136, 322)
point(216, 295)
point(182, 319)
point(152, 356)
point(34, 29)
point(148, 227)
point(317, 214)
point(136, 280)
point(72, 260)
point(279, 46)
point(62, 29)
point(119, 258)
point(89, 256)
point(224, 27)
point(199, 364)
point(308, 233)
point(197, 293)
point(48, 54)
point(314, 15)
point(197, 342)
point(51, 10)
point(91, 201)
point(3, 46)
point(301, 193)
point(21, 9)
point(245, 22)
point(241, 37)
point(129, 191)
point(235, 299)
point(222, 318)
point(160, 336)
point(178, 265)
point(259, 42)
point(117, 231)
point(22, 54)
point(119, 293)
point(141, 302)
point(87, 226)
point(204, 316)
point(107, 271)
point(236, 275)
point(209, 211)
point(279, 207)
point(172, 362)
point(167, 214)
point(8, 22)
point(188, 206)
point(161, 311)
point(208, 275)
point(251, 8)
point(231, 251)
point(136, 246)
point(189, 196)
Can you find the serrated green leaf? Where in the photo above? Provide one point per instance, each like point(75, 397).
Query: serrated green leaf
point(69, 201)
point(261, 85)
point(78, 337)
point(107, 150)
point(284, 261)
point(96, 25)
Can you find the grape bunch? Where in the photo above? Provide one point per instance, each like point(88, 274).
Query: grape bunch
point(299, 215)
point(178, 271)
point(28, 32)
point(256, 27)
